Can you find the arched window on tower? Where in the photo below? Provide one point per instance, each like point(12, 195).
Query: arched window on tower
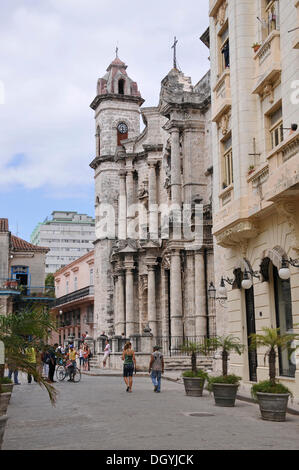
point(121, 87)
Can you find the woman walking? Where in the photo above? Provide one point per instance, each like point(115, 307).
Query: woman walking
point(128, 357)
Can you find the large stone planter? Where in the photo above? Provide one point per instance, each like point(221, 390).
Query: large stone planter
point(3, 420)
point(194, 386)
point(4, 401)
point(7, 387)
point(273, 406)
point(225, 394)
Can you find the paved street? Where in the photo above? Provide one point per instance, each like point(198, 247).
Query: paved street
point(97, 413)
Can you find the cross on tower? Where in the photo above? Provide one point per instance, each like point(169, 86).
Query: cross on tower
point(116, 51)
point(174, 52)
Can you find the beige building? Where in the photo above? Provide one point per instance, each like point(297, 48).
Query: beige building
point(22, 272)
point(255, 109)
point(153, 190)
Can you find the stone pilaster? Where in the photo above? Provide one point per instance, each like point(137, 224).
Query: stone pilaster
point(176, 306)
point(176, 197)
point(130, 314)
point(120, 321)
point(152, 193)
point(122, 207)
point(130, 194)
point(164, 301)
point(189, 288)
point(200, 295)
point(151, 297)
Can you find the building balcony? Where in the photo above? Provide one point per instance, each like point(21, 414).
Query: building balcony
point(9, 287)
point(77, 295)
point(268, 64)
point(221, 96)
point(226, 195)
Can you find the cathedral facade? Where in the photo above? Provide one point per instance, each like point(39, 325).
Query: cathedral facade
point(153, 192)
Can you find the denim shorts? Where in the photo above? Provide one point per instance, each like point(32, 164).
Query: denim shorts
point(128, 370)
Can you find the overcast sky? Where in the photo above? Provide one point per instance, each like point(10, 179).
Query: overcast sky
point(52, 53)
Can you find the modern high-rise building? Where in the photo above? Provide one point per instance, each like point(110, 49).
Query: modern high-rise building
point(69, 235)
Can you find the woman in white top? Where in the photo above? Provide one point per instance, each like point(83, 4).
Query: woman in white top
point(107, 351)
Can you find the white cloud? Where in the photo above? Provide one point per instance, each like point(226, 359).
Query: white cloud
point(52, 53)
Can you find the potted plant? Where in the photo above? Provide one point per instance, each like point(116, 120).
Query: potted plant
point(255, 46)
point(251, 169)
point(6, 384)
point(194, 379)
point(271, 395)
point(224, 387)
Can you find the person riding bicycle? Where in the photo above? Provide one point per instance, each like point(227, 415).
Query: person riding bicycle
point(72, 357)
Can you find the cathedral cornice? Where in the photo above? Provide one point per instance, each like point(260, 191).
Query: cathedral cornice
point(113, 96)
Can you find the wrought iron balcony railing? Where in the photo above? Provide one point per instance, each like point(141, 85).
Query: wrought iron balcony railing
point(76, 295)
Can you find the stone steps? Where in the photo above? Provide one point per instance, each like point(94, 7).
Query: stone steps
point(184, 363)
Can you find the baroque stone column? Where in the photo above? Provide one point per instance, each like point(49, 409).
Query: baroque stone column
point(130, 317)
point(187, 162)
point(176, 197)
point(152, 201)
point(200, 295)
point(120, 322)
point(189, 289)
point(130, 194)
point(122, 206)
point(151, 297)
point(176, 306)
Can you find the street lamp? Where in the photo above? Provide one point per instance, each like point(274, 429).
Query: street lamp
point(284, 272)
point(247, 282)
point(222, 292)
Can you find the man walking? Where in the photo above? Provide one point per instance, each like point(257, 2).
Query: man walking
point(52, 362)
point(156, 365)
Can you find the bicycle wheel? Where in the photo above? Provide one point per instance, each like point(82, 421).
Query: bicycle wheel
point(60, 373)
point(77, 375)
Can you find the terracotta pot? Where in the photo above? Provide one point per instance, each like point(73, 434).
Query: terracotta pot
point(273, 406)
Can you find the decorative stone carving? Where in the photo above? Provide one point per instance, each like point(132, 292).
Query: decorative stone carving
point(224, 123)
point(289, 210)
point(221, 14)
point(268, 90)
point(120, 154)
point(234, 235)
point(166, 261)
point(143, 190)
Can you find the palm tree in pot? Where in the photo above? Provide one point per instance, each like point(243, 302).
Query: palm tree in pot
point(224, 387)
point(271, 395)
point(194, 379)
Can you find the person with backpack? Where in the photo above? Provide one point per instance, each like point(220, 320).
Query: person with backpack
point(156, 368)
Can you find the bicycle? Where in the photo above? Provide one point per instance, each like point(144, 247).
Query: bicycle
point(63, 371)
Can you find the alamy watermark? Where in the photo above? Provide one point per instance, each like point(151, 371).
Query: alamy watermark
point(295, 93)
point(154, 222)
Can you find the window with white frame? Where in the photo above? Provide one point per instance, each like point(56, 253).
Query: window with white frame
point(276, 127)
point(224, 50)
point(227, 163)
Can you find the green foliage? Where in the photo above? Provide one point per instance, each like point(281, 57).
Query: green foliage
point(27, 328)
point(273, 341)
point(199, 373)
point(227, 343)
point(5, 380)
point(268, 387)
point(223, 379)
point(193, 348)
point(50, 285)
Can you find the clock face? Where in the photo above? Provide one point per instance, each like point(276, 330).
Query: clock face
point(122, 128)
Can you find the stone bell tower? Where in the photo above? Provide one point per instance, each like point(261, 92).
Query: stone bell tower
point(117, 118)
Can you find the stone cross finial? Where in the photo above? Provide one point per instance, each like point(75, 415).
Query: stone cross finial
point(116, 51)
point(174, 52)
